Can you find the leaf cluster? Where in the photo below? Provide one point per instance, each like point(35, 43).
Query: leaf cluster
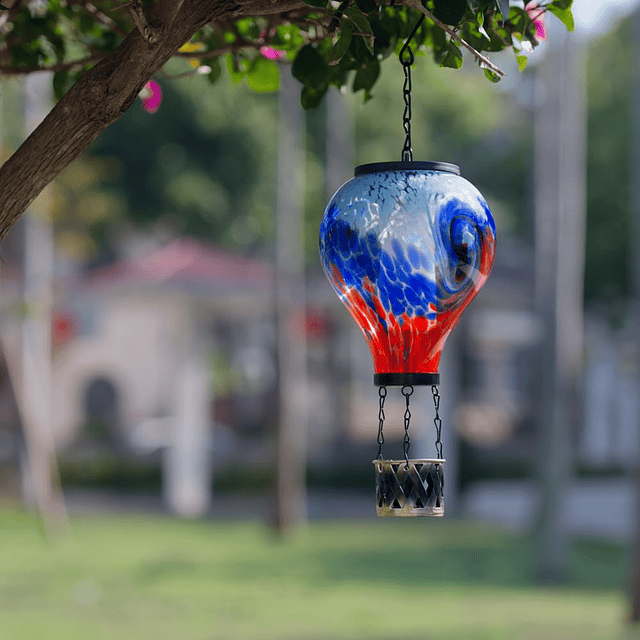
point(327, 43)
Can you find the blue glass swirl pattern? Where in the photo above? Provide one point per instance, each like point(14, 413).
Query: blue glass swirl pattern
point(406, 251)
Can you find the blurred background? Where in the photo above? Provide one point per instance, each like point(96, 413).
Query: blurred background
point(170, 347)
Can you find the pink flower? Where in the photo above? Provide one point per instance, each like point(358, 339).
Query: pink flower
point(270, 53)
point(151, 96)
point(536, 13)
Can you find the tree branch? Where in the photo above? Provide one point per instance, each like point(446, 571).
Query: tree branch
point(62, 66)
point(167, 10)
point(150, 32)
point(100, 17)
point(484, 61)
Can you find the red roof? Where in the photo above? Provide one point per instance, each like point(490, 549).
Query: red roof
point(187, 263)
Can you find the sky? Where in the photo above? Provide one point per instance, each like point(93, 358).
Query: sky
point(595, 17)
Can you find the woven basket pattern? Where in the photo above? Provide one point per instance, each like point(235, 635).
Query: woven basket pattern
point(409, 489)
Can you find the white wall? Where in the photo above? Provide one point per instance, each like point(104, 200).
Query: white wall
point(132, 340)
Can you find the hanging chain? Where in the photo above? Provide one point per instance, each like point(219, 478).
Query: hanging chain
point(406, 60)
point(407, 151)
point(437, 421)
point(382, 393)
point(406, 392)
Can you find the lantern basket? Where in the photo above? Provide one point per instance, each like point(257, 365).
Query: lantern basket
point(410, 487)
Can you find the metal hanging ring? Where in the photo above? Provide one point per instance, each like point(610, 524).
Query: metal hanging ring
point(407, 59)
point(407, 390)
point(406, 48)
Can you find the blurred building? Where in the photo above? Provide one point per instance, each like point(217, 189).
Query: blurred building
point(131, 324)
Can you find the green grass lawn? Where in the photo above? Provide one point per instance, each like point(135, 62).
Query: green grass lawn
point(160, 578)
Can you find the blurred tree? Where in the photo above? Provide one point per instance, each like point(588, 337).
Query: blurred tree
point(609, 224)
point(192, 168)
point(110, 50)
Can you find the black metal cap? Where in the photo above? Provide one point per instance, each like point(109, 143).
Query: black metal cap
point(405, 379)
point(380, 167)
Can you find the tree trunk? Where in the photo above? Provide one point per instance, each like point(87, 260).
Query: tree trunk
point(634, 161)
point(290, 503)
point(560, 228)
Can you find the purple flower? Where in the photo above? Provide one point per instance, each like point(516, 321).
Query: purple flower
point(151, 96)
point(536, 13)
point(270, 53)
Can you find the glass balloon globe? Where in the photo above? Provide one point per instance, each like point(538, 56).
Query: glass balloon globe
point(407, 246)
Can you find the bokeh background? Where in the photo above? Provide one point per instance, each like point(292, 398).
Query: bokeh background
point(187, 420)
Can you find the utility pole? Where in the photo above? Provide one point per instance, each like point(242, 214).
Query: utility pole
point(560, 127)
point(339, 166)
point(34, 388)
point(340, 141)
point(291, 457)
point(634, 161)
point(188, 461)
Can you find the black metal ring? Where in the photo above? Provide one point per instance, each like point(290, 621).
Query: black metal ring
point(381, 167)
point(406, 47)
point(405, 379)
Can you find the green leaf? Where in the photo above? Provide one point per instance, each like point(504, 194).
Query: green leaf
point(216, 69)
point(338, 73)
point(453, 58)
point(522, 61)
point(449, 11)
point(564, 15)
point(213, 41)
point(60, 83)
point(321, 4)
point(367, 6)
point(309, 67)
point(310, 97)
point(288, 38)
point(235, 73)
point(366, 76)
point(491, 75)
point(342, 44)
point(562, 4)
point(263, 75)
point(361, 23)
point(481, 30)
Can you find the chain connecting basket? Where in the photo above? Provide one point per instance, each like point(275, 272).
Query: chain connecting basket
point(410, 488)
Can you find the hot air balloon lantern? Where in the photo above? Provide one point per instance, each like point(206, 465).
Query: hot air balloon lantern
point(406, 246)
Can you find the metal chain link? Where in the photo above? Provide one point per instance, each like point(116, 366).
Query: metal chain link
point(407, 390)
point(437, 421)
point(406, 60)
point(407, 151)
point(382, 394)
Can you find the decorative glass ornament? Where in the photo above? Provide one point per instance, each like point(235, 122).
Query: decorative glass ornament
point(407, 246)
